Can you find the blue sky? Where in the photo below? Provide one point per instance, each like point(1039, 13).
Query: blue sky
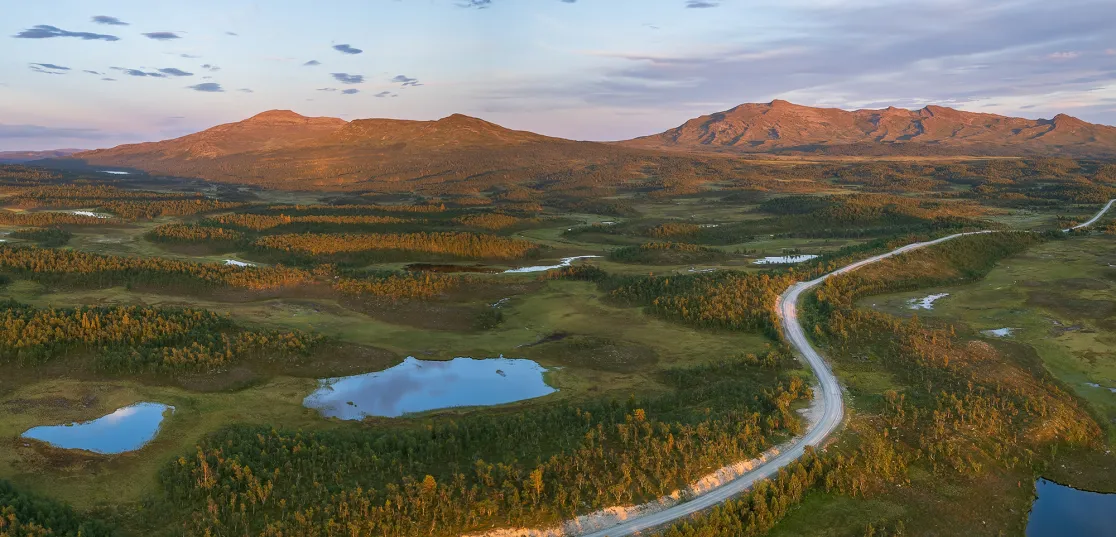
point(76, 73)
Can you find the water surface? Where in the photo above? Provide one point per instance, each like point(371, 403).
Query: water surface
point(925, 303)
point(566, 261)
point(1067, 512)
point(90, 213)
point(127, 429)
point(421, 385)
point(784, 259)
point(999, 332)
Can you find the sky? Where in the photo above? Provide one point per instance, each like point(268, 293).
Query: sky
point(81, 74)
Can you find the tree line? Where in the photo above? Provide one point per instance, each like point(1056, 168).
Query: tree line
point(260, 222)
point(136, 339)
point(84, 268)
point(26, 515)
point(125, 204)
point(456, 244)
point(665, 253)
point(191, 233)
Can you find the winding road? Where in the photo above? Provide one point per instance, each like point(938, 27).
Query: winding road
point(1094, 219)
point(828, 403)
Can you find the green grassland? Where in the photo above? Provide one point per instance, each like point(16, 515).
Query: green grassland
point(1059, 300)
point(1058, 296)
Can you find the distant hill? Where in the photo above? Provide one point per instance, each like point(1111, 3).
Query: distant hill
point(16, 157)
point(783, 127)
point(463, 156)
point(286, 150)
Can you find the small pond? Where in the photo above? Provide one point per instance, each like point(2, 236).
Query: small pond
point(999, 332)
point(926, 302)
point(1067, 512)
point(566, 261)
point(90, 213)
point(421, 385)
point(127, 429)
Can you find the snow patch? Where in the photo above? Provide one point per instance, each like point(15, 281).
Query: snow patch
point(91, 213)
point(236, 263)
point(114, 172)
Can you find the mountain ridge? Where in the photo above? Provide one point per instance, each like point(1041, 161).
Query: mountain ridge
point(784, 127)
point(283, 149)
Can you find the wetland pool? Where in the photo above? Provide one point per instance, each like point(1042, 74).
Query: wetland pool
point(1067, 512)
point(127, 429)
point(420, 385)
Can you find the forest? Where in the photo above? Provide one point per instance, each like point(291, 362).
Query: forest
point(133, 339)
point(460, 245)
point(466, 474)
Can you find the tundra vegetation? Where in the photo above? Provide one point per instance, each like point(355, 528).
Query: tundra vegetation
point(229, 304)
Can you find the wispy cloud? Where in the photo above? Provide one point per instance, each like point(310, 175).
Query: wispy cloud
point(92, 72)
point(311, 63)
point(346, 78)
point(327, 89)
point(350, 91)
point(347, 49)
point(207, 87)
point(234, 34)
point(211, 68)
point(52, 66)
point(174, 72)
point(245, 90)
point(48, 68)
point(405, 80)
point(189, 56)
point(162, 36)
point(45, 31)
point(383, 94)
point(139, 72)
point(111, 21)
point(700, 4)
point(476, 4)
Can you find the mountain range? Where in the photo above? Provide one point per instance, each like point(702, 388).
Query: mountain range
point(284, 149)
point(16, 157)
point(782, 127)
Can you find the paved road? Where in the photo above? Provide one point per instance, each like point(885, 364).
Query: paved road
point(829, 400)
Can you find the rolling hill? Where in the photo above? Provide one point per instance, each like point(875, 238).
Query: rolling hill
point(462, 156)
point(16, 157)
point(287, 150)
point(783, 127)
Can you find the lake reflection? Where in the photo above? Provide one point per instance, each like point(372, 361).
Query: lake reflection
point(1067, 512)
point(127, 429)
point(420, 385)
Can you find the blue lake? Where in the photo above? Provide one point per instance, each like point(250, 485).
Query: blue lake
point(421, 385)
point(1067, 512)
point(127, 429)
